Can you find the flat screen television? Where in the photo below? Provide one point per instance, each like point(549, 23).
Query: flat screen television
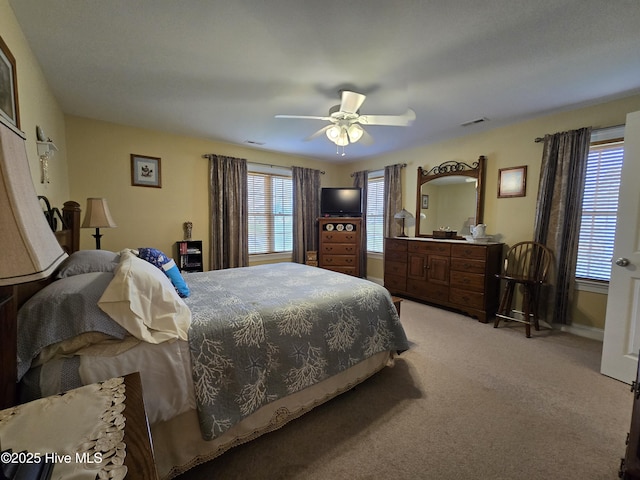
point(341, 202)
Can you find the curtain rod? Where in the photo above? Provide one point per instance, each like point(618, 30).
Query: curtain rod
point(207, 155)
point(541, 139)
point(402, 165)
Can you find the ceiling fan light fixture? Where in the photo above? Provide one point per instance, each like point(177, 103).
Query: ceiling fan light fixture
point(333, 133)
point(355, 132)
point(343, 138)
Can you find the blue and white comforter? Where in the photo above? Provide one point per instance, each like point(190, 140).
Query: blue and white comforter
point(261, 333)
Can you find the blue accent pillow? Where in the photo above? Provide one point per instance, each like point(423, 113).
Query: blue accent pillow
point(168, 266)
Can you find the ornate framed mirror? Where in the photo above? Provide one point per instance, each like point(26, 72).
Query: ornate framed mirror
point(450, 196)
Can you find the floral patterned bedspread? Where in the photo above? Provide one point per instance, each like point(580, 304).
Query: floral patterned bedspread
point(261, 333)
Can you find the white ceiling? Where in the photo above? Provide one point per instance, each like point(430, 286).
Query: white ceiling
point(222, 69)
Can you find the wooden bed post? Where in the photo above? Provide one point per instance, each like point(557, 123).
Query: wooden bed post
point(71, 218)
point(8, 354)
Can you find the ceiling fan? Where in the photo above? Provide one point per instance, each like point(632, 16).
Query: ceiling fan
point(346, 121)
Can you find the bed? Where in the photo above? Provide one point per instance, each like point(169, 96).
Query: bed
point(247, 351)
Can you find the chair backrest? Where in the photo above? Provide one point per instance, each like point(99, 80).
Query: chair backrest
point(528, 261)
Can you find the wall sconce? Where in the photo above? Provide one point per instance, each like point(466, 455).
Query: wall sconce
point(46, 151)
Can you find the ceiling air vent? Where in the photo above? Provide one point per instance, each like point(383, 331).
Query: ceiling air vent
point(474, 122)
point(253, 142)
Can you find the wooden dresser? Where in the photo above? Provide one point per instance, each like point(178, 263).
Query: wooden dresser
point(339, 248)
point(451, 273)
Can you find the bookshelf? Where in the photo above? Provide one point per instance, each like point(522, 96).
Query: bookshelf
point(188, 255)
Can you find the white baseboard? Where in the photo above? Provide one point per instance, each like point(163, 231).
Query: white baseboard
point(582, 331)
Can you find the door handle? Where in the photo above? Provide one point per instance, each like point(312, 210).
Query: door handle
point(622, 262)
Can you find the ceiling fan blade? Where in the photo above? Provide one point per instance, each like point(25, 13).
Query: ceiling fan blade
point(391, 120)
point(307, 117)
point(351, 101)
point(318, 133)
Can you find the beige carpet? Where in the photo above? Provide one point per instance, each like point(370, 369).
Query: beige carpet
point(467, 401)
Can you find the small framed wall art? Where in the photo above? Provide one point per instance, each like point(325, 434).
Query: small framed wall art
point(512, 182)
point(425, 201)
point(9, 110)
point(145, 171)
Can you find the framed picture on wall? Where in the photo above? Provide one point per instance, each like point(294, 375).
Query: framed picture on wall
point(145, 171)
point(9, 110)
point(425, 201)
point(512, 182)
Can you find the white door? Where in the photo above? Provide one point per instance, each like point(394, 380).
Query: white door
point(622, 324)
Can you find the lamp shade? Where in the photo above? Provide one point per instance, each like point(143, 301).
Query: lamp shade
point(403, 214)
point(30, 250)
point(98, 214)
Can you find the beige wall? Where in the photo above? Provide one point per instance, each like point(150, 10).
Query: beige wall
point(37, 106)
point(100, 166)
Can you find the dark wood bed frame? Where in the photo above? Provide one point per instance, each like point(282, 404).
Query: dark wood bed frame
point(14, 296)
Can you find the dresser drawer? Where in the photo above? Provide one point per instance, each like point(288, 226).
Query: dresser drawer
point(395, 283)
point(342, 269)
point(339, 237)
point(435, 248)
point(468, 265)
point(395, 268)
point(467, 298)
point(467, 281)
point(469, 251)
point(427, 291)
point(392, 244)
point(339, 248)
point(342, 260)
point(395, 256)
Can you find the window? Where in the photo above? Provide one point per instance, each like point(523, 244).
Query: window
point(600, 209)
point(375, 212)
point(270, 213)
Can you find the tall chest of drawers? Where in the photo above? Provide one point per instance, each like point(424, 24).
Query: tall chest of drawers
point(454, 274)
point(339, 248)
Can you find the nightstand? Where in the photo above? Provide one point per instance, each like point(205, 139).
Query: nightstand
point(78, 430)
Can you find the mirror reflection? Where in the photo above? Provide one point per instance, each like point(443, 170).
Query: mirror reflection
point(449, 197)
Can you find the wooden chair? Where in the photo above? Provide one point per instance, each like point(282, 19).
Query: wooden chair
point(526, 264)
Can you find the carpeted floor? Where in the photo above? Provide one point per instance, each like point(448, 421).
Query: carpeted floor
point(467, 401)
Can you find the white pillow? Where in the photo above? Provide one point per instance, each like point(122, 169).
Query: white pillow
point(142, 300)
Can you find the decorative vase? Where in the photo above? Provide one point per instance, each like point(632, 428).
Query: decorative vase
point(188, 227)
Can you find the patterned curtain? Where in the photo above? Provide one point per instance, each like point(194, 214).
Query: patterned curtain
point(306, 210)
point(393, 199)
point(229, 220)
point(558, 214)
point(361, 180)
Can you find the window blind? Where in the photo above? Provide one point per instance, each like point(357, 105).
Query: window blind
point(600, 210)
point(270, 213)
point(375, 214)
